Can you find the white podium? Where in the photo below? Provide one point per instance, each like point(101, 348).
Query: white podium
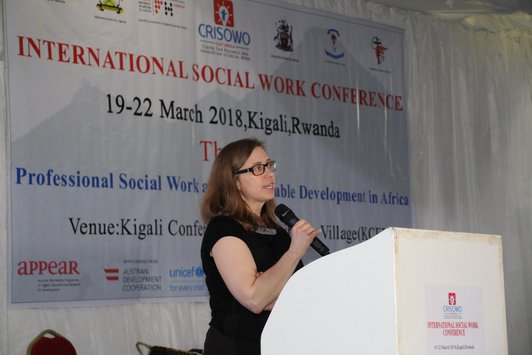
point(403, 292)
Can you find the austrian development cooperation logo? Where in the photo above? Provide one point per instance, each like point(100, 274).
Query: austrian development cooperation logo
point(134, 279)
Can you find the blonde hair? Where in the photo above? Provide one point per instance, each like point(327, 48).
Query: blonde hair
point(222, 195)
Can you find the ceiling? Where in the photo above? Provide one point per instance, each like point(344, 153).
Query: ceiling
point(464, 7)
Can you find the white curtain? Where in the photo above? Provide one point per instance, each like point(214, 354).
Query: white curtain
point(470, 116)
point(470, 126)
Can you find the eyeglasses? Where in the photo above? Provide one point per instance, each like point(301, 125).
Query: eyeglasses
point(259, 169)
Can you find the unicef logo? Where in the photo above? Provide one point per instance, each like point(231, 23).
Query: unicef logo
point(187, 272)
point(200, 272)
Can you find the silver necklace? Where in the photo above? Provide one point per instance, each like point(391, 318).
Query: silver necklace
point(265, 230)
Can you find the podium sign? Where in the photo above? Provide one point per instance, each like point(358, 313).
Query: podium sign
point(404, 291)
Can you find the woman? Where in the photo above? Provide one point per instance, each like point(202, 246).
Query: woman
point(247, 257)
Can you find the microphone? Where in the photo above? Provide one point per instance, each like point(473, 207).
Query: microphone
point(288, 217)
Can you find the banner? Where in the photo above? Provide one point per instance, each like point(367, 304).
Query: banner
point(118, 108)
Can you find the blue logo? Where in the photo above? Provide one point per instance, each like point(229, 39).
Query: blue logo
point(223, 27)
point(225, 34)
point(200, 272)
point(453, 309)
point(334, 39)
point(187, 272)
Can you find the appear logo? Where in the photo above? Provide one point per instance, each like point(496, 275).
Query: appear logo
point(222, 30)
point(333, 51)
point(379, 49)
point(283, 38)
point(110, 5)
point(47, 267)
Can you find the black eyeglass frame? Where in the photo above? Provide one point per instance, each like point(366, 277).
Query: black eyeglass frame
point(271, 165)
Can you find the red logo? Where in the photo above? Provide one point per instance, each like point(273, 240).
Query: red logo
point(111, 274)
point(158, 4)
point(452, 298)
point(223, 13)
point(379, 49)
point(45, 267)
point(167, 6)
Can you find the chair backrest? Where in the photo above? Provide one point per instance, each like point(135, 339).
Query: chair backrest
point(145, 349)
point(50, 342)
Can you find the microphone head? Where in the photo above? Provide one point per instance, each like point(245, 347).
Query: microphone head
point(280, 209)
point(286, 215)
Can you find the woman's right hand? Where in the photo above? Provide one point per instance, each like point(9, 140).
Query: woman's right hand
point(303, 233)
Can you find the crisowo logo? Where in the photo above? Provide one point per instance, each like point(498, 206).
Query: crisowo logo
point(452, 306)
point(223, 30)
point(187, 272)
point(47, 267)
